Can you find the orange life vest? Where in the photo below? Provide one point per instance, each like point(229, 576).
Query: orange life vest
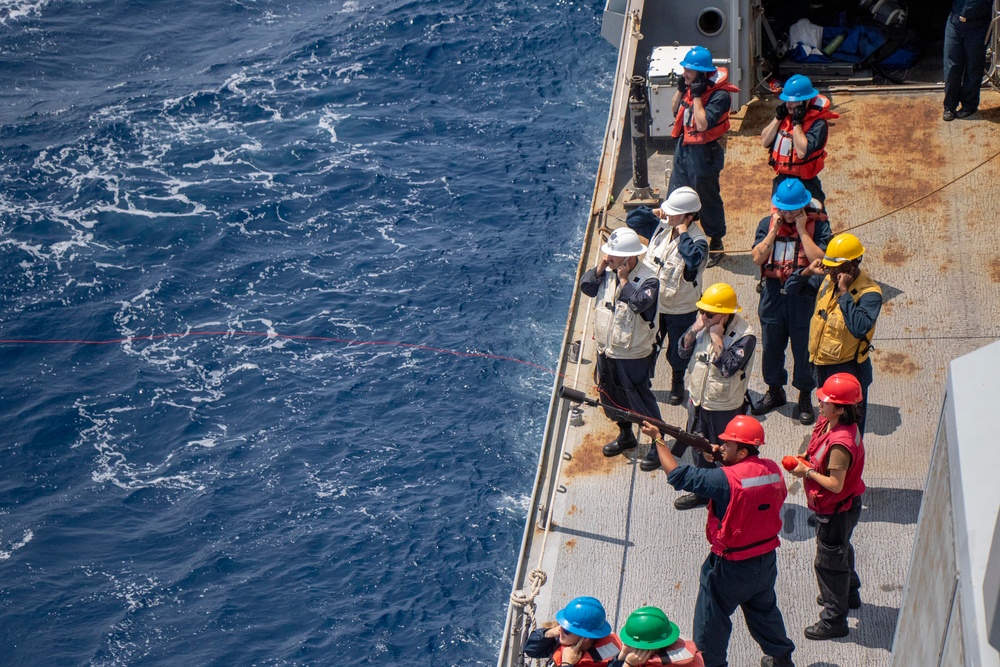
point(783, 157)
point(684, 122)
point(601, 653)
point(788, 255)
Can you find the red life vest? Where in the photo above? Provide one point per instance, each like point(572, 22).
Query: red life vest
point(783, 157)
point(601, 653)
point(752, 521)
point(784, 259)
point(681, 652)
point(684, 122)
point(819, 499)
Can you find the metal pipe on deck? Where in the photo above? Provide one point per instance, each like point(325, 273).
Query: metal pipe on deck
point(638, 104)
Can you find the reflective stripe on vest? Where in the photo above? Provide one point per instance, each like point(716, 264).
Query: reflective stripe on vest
point(750, 482)
point(783, 157)
point(787, 255)
point(600, 653)
point(684, 121)
point(677, 295)
point(752, 521)
point(830, 341)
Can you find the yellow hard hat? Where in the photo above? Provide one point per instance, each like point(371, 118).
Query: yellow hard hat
point(843, 248)
point(719, 298)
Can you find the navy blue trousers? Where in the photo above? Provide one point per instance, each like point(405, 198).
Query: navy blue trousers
point(698, 166)
point(625, 383)
point(672, 327)
point(749, 585)
point(964, 60)
point(785, 319)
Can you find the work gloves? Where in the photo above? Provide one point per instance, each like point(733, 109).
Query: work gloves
point(799, 114)
point(682, 86)
point(698, 87)
point(781, 111)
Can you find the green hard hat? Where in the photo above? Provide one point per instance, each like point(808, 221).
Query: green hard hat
point(649, 628)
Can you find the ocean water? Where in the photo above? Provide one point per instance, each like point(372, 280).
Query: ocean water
point(399, 172)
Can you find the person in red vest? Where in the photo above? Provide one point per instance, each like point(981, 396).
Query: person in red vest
point(791, 237)
point(831, 474)
point(797, 136)
point(745, 497)
point(580, 635)
point(701, 108)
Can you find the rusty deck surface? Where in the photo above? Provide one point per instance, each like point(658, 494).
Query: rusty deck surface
point(615, 533)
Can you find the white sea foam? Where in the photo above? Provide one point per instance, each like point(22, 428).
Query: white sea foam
point(7, 553)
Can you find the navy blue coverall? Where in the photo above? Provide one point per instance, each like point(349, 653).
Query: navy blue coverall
point(965, 52)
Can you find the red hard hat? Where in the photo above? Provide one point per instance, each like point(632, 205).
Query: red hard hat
point(840, 388)
point(745, 429)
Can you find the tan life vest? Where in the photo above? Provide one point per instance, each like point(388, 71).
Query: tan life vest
point(830, 341)
point(705, 383)
point(677, 296)
point(620, 332)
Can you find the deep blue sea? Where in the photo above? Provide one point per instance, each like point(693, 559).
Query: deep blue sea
point(398, 172)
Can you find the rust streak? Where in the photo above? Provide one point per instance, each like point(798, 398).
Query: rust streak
point(994, 269)
point(588, 459)
point(897, 363)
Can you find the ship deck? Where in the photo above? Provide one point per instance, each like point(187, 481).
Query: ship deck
point(613, 531)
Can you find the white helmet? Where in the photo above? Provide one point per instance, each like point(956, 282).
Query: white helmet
point(623, 242)
point(682, 201)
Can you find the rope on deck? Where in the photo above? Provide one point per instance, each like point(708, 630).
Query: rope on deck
point(605, 230)
point(523, 602)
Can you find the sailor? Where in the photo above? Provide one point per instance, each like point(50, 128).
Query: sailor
point(831, 476)
point(580, 635)
point(678, 250)
point(795, 234)
point(847, 306)
point(627, 293)
point(965, 56)
point(797, 136)
point(720, 346)
point(744, 518)
point(701, 109)
point(650, 638)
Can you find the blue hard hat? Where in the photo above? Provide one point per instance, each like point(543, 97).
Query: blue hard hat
point(798, 88)
point(791, 195)
point(584, 616)
point(699, 59)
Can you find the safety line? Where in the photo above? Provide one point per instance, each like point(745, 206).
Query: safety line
point(327, 339)
point(880, 217)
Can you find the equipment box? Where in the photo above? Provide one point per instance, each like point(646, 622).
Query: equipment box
point(661, 78)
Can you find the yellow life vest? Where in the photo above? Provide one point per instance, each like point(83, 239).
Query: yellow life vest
point(830, 341)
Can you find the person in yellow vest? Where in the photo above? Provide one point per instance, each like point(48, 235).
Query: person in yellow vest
point(848, 303)
point(649, 638)
point(720, 345)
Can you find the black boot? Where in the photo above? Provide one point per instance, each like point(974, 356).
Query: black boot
point(651, 461)
point(677, 388)
point(714, 252)
point(806, 414)
point(822, 631)
point(689, 501)
point(625, 440)
point(773, 399)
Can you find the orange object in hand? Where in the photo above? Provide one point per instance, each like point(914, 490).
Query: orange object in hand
point(790, 463)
